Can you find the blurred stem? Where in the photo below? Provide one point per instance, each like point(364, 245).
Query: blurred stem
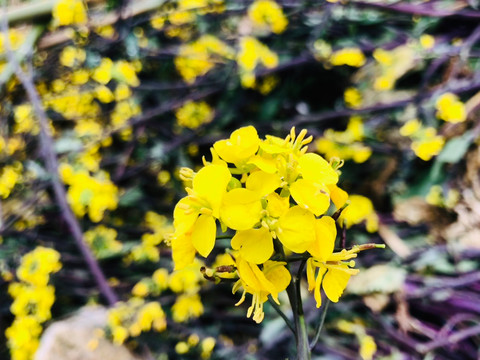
point(47, 153)
point(282, 314)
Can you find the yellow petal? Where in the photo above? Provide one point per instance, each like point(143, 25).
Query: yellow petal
point(338, 196)
point(183, 216)
point(310, 195)
point(296, 229)
point(277, 274)
point(241, 209)
point(183, 252)
point(334, 283)
point(253, 277)
point(317, 295)
point(254, 245)
point(277, 205)
point(325, 234)
point(263, 183)
point(264, 163)
point(204, 234)
point(314, 167)
point(210, 184)
point(243, 144)
point(310, 274)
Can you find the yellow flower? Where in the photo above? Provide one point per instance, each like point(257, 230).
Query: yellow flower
point(199, 57)
point(428, 147)
point(251, 54)
point(103, 241)
point(348, 56)
point(267, 14)
point(450, 108)
point(103, 73)
point(69, 12)
point(410, 128)
point(186, 307)
point(271, 280)
point(353, 97)
point(427, 41)
point(360, 209)
point(37, 265)
point(71, 56)
point(10, 176)
point(194, 215)
point(193, 114)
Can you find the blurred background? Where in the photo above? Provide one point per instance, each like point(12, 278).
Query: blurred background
point(116, 96)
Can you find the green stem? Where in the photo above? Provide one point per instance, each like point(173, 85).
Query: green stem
point(320, 325)
point(303, 350)
point(282, 315)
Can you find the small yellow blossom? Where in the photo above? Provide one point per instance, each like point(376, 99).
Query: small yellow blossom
point(450, 108)
point(199, 57)
point(251, 54)
point(193, 114)
point(187, 307)
point(352, 97)
point(427, 41)
point(348, 56)
point(267, 14)
point(69, 12)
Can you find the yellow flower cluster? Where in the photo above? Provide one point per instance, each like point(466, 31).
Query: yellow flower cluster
point(121, 70)
point(391, 65)
point(10, 176)
point(426, 143)
point(267, 15)
point(69, 12)
point(450, 108)
point(16, 38)
point(206, 346)
point(24, 120)
point(268, 191)
point(182, 14)
point(130, 319)
point(199, 57)
point(103, 241)
point(186, 283)
point(352, 97)
point(193, 114)
point(147, 250)
point(87, 194)
point(345, 144)
point(251, 54)
point(436, 197)
point(350, 56)
point(33, 299)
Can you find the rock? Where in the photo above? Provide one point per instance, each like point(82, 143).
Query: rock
point(80, 338)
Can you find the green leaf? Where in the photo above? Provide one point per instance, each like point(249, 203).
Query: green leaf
point(456, 148)
point(131, 197)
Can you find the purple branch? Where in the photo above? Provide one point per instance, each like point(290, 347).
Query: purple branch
point(450, 340)
point(417, 10)
point(51, 164)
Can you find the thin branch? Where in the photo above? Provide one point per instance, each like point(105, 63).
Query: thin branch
point(406, 8)
point(282, 314)
point(450, 340)
point(464, 86)
point(318, 330)
point(51, 164)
